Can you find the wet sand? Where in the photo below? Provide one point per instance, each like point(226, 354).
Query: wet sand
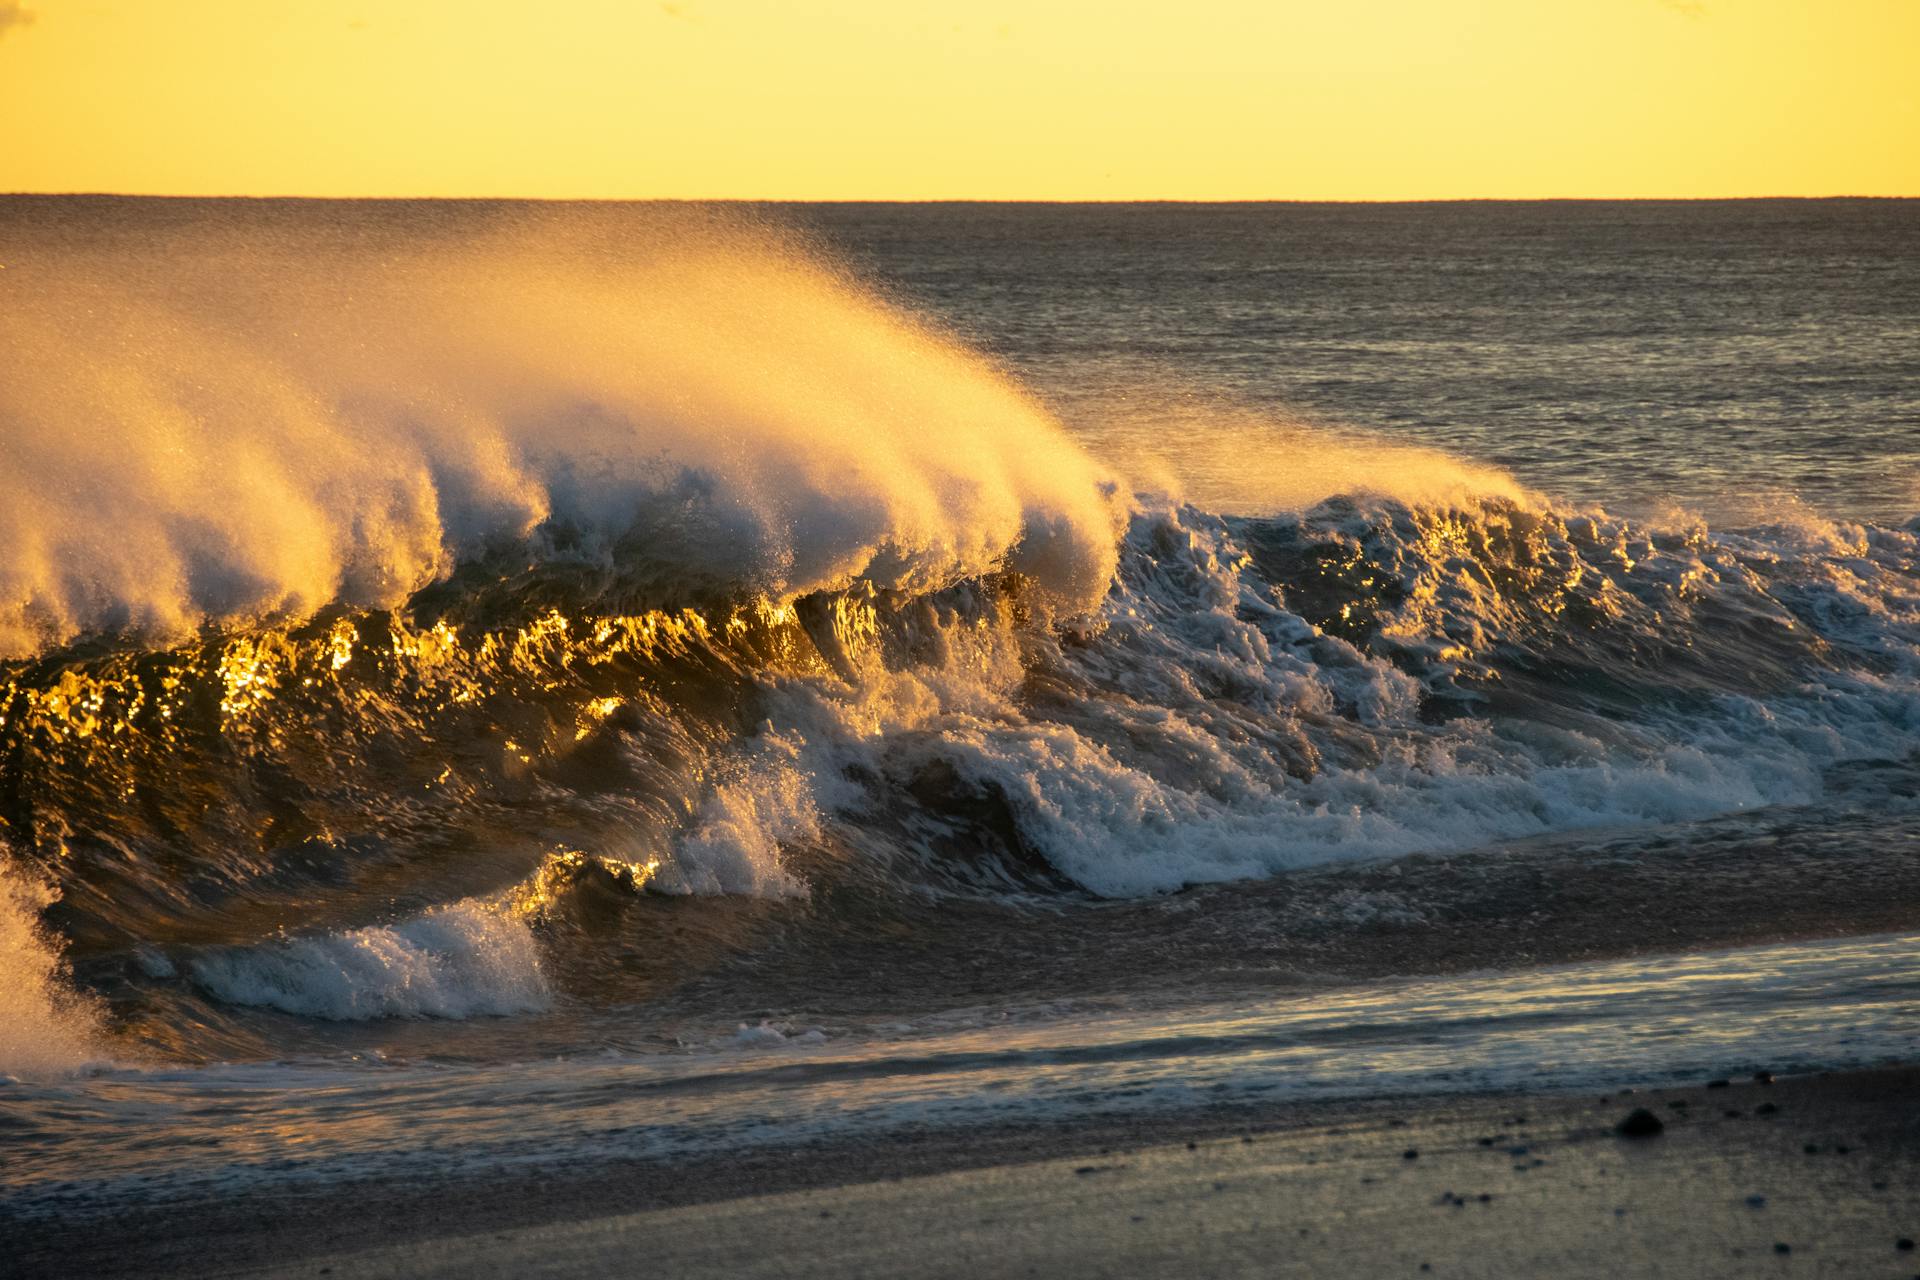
point(1815, 1176)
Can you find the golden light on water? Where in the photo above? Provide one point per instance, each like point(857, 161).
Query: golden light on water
point(1048, 99)
point(563, 868)
point(120, 697)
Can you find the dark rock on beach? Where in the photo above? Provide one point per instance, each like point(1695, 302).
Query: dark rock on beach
point(1640, 1123)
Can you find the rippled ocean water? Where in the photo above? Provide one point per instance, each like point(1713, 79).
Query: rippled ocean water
point(658, 678)
point(1735, 359)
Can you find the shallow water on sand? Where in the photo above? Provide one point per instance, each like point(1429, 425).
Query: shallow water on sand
point(91, 1143)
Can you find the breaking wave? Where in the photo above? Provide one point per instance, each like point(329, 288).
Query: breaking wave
point(457, 961)
point(237, 425)
point(386, 639)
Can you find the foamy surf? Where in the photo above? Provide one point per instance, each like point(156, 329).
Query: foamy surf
point(460, 961)
point(1254, 697)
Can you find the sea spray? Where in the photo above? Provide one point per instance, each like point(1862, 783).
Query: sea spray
point(242, 426)
point(46, 1028)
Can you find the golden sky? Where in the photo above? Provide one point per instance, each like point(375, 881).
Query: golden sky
point(910, 99)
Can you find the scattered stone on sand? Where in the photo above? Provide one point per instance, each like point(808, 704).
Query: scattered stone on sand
point(1640, 1123)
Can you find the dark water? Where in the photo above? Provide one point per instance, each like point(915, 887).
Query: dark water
point(443, 637)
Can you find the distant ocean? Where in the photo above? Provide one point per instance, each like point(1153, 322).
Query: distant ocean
point(494, 681)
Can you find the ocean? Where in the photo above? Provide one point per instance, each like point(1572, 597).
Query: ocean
point(493, 683)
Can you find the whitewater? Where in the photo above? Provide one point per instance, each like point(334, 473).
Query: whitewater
point(458, 657)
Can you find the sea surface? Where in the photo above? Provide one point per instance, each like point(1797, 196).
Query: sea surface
point(492, 683)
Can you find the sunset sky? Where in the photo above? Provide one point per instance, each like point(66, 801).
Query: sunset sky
point(909, 99)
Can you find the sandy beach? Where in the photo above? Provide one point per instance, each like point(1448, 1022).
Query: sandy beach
point(1816, 1175)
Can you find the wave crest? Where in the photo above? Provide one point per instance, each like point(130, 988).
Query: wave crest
point(250, 426)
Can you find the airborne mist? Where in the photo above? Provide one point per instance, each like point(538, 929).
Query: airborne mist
point(242, 422)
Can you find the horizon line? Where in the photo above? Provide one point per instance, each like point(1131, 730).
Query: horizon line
point(969, 200)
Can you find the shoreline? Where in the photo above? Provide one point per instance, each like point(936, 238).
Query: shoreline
point(1298, 1188)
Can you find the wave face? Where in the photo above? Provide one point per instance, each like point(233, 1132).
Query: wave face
point(518, 622)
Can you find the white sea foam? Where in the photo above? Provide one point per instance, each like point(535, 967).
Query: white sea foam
point(46, 1028)
point(770, 1035)
point(468, 959)
point(239, 425)
point(762, 802)
point(1167, 765)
